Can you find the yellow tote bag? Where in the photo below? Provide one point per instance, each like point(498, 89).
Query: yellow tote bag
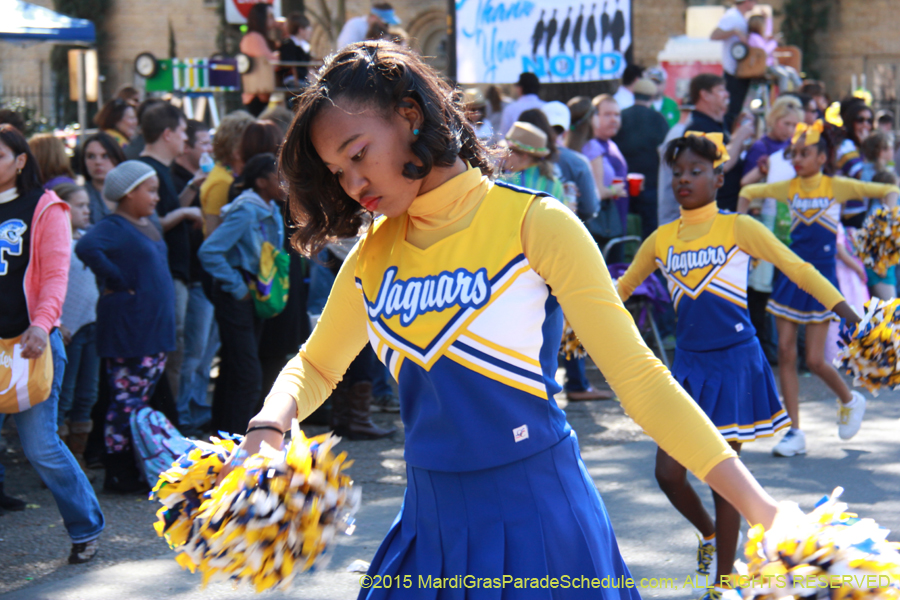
point(23, 382)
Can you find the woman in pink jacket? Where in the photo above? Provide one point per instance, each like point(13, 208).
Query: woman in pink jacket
point(35, 239)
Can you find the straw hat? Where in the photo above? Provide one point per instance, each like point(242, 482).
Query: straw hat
point(645, 89)
point(527, 138)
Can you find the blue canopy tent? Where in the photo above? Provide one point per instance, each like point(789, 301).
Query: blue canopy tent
point(24, 22)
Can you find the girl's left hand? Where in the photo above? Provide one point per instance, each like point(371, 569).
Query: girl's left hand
point(846, 312)
point(34, 342)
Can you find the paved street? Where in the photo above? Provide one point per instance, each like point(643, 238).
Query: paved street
point(655, 540)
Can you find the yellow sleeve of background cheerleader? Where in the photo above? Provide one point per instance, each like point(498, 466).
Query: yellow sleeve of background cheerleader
point(755, 239)
point(561, 250)
point(845, 188)
point(780, 190)
point(338, 337)
point(641, 267)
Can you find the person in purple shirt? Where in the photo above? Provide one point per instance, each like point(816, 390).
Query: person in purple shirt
point(606, 160)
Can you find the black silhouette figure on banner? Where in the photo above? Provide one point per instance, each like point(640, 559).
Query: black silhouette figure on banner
point(564, 33)
point(538, 35)
point(591, 31)
point(552, 26)
point(604, 26)
point(618, 28)
point(576, 33)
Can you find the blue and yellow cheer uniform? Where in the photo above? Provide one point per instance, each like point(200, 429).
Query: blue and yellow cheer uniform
point(815, 204)
point(705, 256)
point(462, 298)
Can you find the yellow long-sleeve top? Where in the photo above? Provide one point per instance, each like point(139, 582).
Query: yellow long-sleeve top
point(815, 204)
point(705, 257)
point(561, 251)
point(842, 189)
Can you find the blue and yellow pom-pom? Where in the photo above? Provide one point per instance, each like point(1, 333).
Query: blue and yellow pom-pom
point(272, 516)
point(870, 352)
point(828, 551)
point(876, 241)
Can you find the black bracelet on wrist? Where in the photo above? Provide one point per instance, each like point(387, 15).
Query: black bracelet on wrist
point(271, 427)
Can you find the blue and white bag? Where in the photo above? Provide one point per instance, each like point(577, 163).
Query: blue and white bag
point(157, 444)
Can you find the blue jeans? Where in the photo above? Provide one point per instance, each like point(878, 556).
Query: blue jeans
point(75, 498)
point(576, 375)
point(82, 378)
point(201, 342)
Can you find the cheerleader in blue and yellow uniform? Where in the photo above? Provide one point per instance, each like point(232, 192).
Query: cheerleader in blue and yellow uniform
point(815, 200)
point(460, 289)
point(705, 256)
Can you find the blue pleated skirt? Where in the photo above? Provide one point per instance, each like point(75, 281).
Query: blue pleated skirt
point(735, 388)
point(790, 302)
point(532, 519)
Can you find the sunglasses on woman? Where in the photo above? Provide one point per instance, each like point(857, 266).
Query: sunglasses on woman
point(862, 119)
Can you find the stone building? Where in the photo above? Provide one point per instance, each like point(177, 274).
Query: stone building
point(857, 41)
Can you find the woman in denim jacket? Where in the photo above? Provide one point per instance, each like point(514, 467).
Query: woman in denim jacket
point(231, 255)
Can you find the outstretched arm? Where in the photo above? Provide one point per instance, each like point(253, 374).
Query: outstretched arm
point(641, 267)
point(754, 238)
point(560, 249)
point(845, 189)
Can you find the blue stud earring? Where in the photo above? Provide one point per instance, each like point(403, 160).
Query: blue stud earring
point(415, 132)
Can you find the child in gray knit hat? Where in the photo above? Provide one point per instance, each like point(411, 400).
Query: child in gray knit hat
point(135, 312)
point(125, 178)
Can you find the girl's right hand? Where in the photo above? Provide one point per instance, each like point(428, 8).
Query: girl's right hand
point(278, 412)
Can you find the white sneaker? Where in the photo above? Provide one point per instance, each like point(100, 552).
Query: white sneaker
point(719, 593)
point(793, 443)
point(850, 416)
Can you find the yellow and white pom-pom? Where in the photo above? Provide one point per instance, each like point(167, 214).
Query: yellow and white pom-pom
point(272, 516)
point(876, 241)
point(570, 346)
point(871, 351)
point(828, 550)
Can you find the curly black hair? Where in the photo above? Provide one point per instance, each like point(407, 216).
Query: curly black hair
point(701, 146)
point(385, 76)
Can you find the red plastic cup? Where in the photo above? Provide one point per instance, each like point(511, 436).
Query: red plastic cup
point(635, 183)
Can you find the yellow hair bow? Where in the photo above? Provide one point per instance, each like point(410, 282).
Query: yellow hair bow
point(716, 138)
point(813, 132)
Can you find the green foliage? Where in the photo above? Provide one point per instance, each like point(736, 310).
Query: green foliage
point(803, 19)
point(35, 122)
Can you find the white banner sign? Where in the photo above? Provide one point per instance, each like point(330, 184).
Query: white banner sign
point(558, 40)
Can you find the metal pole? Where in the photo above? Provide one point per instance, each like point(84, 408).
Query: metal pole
point(451, 40)
point(82, 101)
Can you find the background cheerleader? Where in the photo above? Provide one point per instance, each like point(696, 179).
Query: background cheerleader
point(719, 361)
point(815, 200)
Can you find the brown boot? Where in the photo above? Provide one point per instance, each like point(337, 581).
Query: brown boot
point(63, 431)
point(77, 441)
point(361, 426)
